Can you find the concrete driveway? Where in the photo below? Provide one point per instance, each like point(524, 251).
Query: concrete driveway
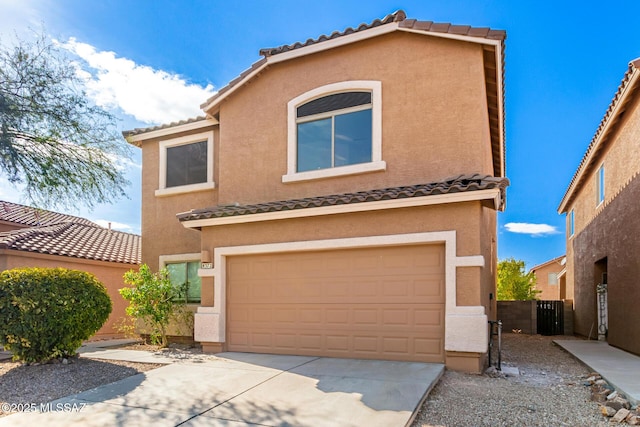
point(241, 389)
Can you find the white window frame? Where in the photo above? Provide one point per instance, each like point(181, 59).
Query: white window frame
point(553, 282)
point(376, 164)
point(600, 180)
point(184, 140)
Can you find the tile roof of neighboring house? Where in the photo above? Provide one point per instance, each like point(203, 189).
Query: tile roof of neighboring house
point(628, 89)
point(138, 131)
point(457, 184)
point(76, 240)
point(30, 216)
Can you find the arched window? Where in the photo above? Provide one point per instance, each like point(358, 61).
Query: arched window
point(335, 130)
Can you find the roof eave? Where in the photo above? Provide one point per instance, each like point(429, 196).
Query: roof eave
point(544, 264)
point(138, 138)
point(601, 136)
point(493, 194)
point(296, 53)
point(345, 40)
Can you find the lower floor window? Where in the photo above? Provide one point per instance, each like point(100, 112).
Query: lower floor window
point(184, 275)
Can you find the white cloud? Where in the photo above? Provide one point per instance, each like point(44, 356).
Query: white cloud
point(115, 225)
point(149, 95)
point(533, 229)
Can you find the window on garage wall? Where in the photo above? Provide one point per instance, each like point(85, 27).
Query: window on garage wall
point(185, 276)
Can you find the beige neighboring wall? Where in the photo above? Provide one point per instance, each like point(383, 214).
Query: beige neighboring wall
point(163, 233)
point(548, 291)
point(443, 113)
point(109, 273)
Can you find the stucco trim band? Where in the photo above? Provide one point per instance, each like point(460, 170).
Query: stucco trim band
point(465, 326)
point(468, 196)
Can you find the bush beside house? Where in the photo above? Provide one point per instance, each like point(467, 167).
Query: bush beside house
point(47, 312)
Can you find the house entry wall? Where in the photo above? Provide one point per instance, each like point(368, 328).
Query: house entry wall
point(372, 303)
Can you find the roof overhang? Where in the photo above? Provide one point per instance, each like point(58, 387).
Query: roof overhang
point(627, 91)
point(557, 260)
point(161, 131)
point(494, 195)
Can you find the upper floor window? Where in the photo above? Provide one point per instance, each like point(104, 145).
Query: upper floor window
point(572, 222)
point(186, 164)
point(552, 278)
point(335, 130)
point(601, 184)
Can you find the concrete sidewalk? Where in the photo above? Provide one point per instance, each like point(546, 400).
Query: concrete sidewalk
point(241, 389)
point(619, 368)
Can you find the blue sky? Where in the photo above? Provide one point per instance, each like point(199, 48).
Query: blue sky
point(155, 61)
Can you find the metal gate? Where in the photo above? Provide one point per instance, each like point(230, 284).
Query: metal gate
point(550, 317)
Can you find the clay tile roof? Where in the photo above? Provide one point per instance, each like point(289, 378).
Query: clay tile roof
point(456, 184)
point(29, 216)
point(137, 131)
point(76, 240)
point(399, 17)
point(393, 17)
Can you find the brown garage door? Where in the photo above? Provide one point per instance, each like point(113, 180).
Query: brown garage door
point(373, 303)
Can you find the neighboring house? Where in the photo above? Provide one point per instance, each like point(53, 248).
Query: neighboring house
point(341, 195)
point(40, 238)
point(603, 224)
point(548, 279)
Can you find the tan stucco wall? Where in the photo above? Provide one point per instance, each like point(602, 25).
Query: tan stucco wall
point(622, 162)
point(548, 292)
point(456, 216)
point(433, 127)
point(434, 117)
point(161, 231)
point(489, 244)
point(110, 274)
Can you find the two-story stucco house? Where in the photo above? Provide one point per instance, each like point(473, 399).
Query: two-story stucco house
point(603, 221)
point(339, 198)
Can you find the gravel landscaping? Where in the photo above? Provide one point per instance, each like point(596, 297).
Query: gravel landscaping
point(549, 391)
point(36, 384)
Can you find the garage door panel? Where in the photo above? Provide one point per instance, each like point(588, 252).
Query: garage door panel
point(376, 289)
point(378, 303)
point(371, 346)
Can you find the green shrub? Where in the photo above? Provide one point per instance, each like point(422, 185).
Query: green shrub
point(153, 299)
point(47, 312)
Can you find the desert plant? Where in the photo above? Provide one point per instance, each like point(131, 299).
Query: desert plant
point(47, 312)
point(153, 299)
